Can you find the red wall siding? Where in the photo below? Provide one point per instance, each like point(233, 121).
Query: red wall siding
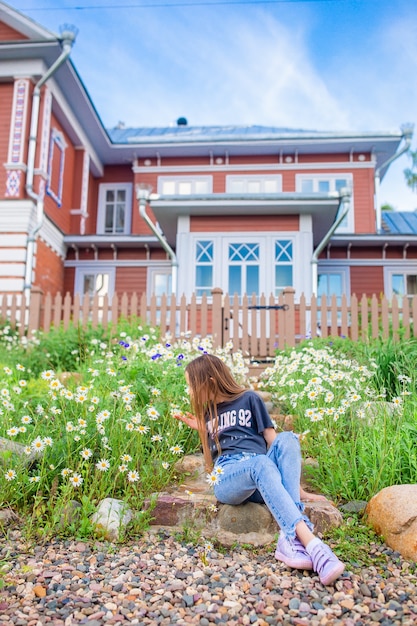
point(49, 270)
point(7, 33)
point(249, 223)
point(366, 280)
point(131, 280)
point(61, 215)
point(69, 280)
point(363, 198)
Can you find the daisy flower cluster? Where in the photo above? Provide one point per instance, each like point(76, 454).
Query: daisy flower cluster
point(108, 428)
point(319, 385)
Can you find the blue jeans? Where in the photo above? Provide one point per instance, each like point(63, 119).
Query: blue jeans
point(274, 475)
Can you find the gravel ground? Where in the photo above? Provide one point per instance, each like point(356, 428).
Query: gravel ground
point(160, 580)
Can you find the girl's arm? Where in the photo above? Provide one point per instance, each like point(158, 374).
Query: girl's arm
point(188, 419)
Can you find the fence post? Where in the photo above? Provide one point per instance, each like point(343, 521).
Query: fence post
point(289, 316)
point(217, 317)
point(35, 303)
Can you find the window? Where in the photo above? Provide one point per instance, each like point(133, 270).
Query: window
point(253, 184)
point(56, 165)
point(401, 282)
point(284, 258)
point(92, 280)
point(114, 209)
point(184, 185)
point(204, 259)
point(325, 183)
point(243, 276)
point(332, 282)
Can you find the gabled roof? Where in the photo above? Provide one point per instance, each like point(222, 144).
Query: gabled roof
point(399, 222)
point(23, 24)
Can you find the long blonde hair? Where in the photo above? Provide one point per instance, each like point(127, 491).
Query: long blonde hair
point(210, 382)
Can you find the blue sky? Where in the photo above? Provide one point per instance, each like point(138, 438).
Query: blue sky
point(343, 65)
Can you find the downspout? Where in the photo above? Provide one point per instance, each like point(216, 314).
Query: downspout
point(67, 38)
point(344, 206)
point(407, 135)
point(143, 199)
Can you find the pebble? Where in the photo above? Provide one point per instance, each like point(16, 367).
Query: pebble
point(160, 580)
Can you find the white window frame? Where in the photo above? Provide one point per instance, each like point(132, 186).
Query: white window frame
point(101, 211)
point(220, 254)
point(402, 268)
point(94, 268)
point(192, 180)
point(246, 179)
point(331, 178)
point(153, 272)
point(58, 146)
point(344, 271)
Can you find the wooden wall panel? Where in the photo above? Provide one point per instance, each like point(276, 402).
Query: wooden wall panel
point(131, 280)
point(367, 280)
point(49, 269)
point(7, 33)
point(247, 223)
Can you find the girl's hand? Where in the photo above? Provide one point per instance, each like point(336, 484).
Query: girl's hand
point(188, 419)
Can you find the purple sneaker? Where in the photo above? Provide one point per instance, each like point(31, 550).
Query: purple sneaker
point(325, 562)
point(292, 553)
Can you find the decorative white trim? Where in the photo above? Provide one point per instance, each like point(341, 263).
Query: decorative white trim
point(45, 131)
point(17, 216)
point(18, 122)
point(11, 253)
point(11, 285)
point(84, 191)
point(53, 237)
point(7, 270)
point(273, 167)
point(368, 262)
point(120, 263)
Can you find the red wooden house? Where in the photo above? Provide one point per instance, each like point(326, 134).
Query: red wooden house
point(183, 209)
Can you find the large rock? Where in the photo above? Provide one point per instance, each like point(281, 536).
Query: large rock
point(393, 514)
point(8, 448)
point(324, 515)
point(111, 517)
point(245, 518)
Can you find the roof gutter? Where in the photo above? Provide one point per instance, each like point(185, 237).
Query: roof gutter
point(67, 39)
point(407, 135)
point(143, 193)
point(344, 207)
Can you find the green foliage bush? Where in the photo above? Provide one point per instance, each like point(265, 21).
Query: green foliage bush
point(356, 411)
point(100, 423)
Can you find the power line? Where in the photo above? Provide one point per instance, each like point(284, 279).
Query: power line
point(178, 4)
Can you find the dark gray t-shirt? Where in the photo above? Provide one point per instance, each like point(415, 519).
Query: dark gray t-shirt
point(241, 424)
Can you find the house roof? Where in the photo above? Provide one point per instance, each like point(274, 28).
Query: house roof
point(123, 145)
point(399, 222)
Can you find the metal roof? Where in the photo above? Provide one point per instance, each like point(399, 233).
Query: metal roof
point(184, 133)
point(399, 222)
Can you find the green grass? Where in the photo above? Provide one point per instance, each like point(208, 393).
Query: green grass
point(100, 405)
